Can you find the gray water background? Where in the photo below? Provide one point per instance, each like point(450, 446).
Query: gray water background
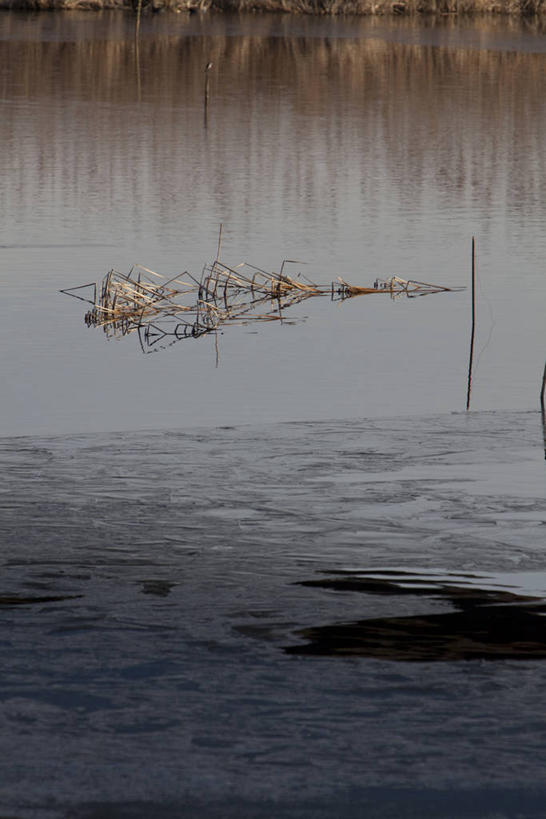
point(362, 147)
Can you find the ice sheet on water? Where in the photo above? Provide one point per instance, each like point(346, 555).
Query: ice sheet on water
point(152, 582)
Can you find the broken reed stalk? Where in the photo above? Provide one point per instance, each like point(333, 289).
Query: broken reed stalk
point(473, 330)
point(394, 286)
point(232, 283)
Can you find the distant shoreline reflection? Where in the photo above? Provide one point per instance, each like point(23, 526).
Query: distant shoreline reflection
point(491, 621)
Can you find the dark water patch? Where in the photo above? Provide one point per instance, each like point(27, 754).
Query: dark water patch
point(19, 600)
point(159, 588)
point(270, 632)
point(489, 622)
point(414, 584)
point(347, 803)
point(147, 670)
point(258, 614)
point(495, 634)
point(147, 727)
point(65, 699)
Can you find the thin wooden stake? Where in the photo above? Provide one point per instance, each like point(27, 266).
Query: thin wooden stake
point(542, 409)
point(472, 334)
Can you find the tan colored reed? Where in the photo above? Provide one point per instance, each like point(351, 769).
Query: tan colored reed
point(158, 307)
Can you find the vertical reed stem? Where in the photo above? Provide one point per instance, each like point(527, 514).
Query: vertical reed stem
point(472, 334)
point(219, 242)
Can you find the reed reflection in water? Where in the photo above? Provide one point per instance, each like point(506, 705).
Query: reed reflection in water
point(398, 123)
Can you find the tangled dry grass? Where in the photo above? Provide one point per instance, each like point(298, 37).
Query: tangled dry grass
point(165, 310)
point(321, 7)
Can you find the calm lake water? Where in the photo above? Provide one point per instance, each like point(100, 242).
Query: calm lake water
point(269, 606)
point(362, 147)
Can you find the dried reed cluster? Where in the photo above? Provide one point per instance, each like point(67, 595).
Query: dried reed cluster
point(164, 310)
point(125, 301)
point(324, 7)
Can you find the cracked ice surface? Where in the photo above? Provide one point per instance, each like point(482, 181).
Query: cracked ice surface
point(151, 580)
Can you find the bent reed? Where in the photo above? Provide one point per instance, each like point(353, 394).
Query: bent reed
point(523, 8)
point(163, 311)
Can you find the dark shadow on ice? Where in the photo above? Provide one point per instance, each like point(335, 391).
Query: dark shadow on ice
point(19, 600)
point(490, 620)
point(159, 588)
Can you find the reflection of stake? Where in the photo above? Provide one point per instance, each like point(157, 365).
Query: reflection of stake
point(137, 67)
point(206, 93)
point(139, 12)
point(473, 324)
point(543, 411)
